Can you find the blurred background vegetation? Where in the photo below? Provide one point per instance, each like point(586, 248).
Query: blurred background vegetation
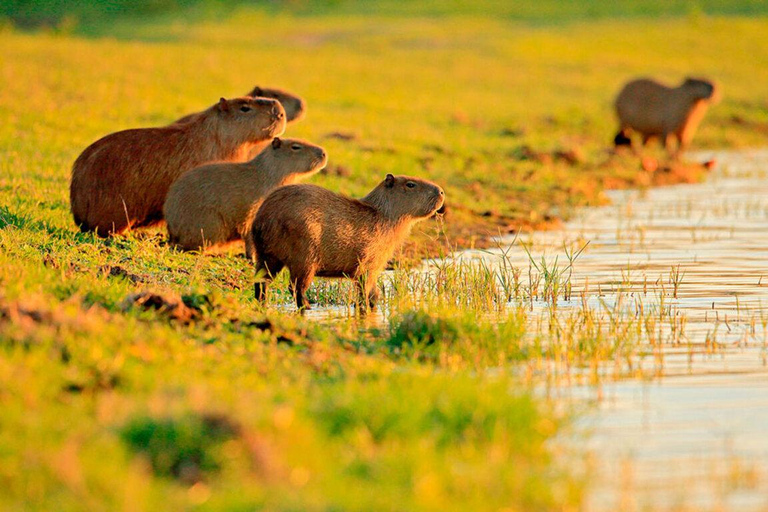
point(84, 14)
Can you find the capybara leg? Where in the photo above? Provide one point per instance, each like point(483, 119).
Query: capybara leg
point(647, 139)
point(265, 273)
point(104, 230)
point(622, 139)
point(669, 145)
point(368, 293)
point(683, 140)
point(300, 281)
point(250, 247)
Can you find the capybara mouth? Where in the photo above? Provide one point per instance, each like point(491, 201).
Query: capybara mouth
point(275, 129)
point(438, 210)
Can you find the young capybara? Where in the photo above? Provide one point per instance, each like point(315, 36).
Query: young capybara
point(213, 204)
point(655, 110)
point(294, 107)
point(316, 232)
point(121, 180)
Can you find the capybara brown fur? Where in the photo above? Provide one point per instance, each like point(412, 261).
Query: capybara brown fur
point(315, 232)
point(120, 181)
point(655, 110)
point(212, 205)
point(294, 106)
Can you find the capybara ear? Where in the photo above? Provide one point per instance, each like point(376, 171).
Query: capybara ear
point(257, 91)
point(276, 143)
point(223, 105)
point(389, 181)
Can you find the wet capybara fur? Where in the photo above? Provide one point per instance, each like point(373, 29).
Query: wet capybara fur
point(315, 232)
point(294, 107)
point(212, 205)
point(120, 181)
point(656, 111)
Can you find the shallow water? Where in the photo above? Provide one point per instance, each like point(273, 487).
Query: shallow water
point(693, 433)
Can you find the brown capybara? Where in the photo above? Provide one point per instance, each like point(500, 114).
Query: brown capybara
point(212, 205)
point(316, 232)
point(655, 110)
point(120, 181)
point(294, 107)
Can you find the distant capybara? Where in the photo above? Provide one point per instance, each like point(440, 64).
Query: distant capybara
point(214, 204)
point(121, 180)
point(295, 107)
point(316, 232)
point(655, 110)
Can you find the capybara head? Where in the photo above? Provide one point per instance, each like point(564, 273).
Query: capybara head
point(293, 105)
point(701, 89)
point(400, 197)
point(261, 118)
point(294, 156)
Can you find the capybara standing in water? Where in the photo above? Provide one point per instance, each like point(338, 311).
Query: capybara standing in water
point(295, 108)
point(655, 110)
point(214, 204)
point(121, 180)
point(315, 232)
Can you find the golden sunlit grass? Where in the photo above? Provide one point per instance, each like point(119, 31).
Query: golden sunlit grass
point(115, 404)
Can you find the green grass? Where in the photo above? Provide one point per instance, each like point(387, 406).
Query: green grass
point(110, 406)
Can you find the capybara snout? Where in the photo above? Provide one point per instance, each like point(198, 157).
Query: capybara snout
point(701, 89)
point(440, 201)
point(256, 110)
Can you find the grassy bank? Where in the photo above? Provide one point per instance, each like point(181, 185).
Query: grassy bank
point(202, 401)
point(514, 121)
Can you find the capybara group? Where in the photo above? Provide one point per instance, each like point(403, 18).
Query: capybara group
point(655, 110)
point(213, 205)
point(294, 106)
point(121, 180)
point(316, 232)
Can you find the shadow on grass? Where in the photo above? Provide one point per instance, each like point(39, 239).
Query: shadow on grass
point(9, 219)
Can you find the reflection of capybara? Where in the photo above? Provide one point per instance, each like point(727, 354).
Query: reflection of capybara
point(295, 108)
point(315, 232)
point(121, 180)
point(213, 204)
point(655, 110)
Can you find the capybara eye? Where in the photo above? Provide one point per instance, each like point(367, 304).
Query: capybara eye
point(410, 184)
point(245, 108)
point(296, 147)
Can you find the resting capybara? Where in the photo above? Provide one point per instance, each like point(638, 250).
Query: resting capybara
point(213, 204)
point(295, 108)
point(655, 110)
point(316, 232)
point(121, 180)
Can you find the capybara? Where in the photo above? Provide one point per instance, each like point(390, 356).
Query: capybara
point(655, 110)
point(121, 180)
point(295, 108)
point(316, 232)
point(213, 204)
